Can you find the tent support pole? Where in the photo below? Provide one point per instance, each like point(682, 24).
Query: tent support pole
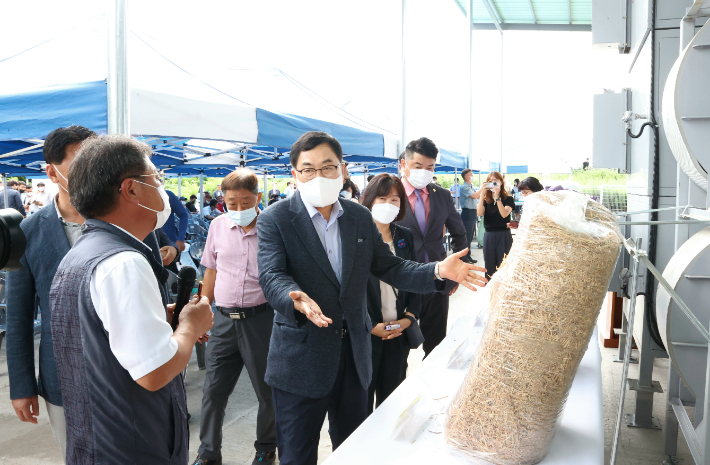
point(179, 185)
point(500, 165)
point(470, 83)
point(403, 127)
point(263, 196)
point(117, 85)
point(364, 178)
point(456, 185)
point(4, 189)
point(202, 196)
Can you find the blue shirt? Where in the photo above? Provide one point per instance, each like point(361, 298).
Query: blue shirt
point(466, 200)
point(329, 234)
point(169, 228)
point(455, 190)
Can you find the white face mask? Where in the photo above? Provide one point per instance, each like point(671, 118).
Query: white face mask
point(41, 188)
point(242, 218)
point(419, 179)
point(161, 215)
point(184, 202)
point(384, 213)
point(320, 191)
point(65, 180)
point(347, 195)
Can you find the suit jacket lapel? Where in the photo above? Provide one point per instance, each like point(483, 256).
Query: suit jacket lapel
point(49, 213)
point(348, 242)
point(303, 225)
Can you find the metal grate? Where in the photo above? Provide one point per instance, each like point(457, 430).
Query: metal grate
point(612, 197)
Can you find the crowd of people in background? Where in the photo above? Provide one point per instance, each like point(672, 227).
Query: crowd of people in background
point(273, 276)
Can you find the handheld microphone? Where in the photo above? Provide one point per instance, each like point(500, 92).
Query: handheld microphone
point(185, 283)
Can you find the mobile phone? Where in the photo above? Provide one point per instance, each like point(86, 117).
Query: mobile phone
point(199, 291)
point(391, 327)
point(490, 185)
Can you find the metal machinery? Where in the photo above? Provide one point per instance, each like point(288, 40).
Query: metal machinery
point(668, 43)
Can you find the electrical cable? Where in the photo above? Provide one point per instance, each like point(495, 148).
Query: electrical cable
point(655, 188)
point(651, 321)
point(628, 131)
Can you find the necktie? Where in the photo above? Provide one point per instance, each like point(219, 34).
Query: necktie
point(420, 214)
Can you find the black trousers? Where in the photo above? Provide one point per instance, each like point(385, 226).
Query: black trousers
point(433, 320)
point(496, 245)
point(389, 368)
point(233, 345)
point(469, 217)
point(299, 419)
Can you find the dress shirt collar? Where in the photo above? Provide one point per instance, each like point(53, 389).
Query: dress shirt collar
point(61, 218)
point(134, 237)
point(409, 190)
point(336, 213)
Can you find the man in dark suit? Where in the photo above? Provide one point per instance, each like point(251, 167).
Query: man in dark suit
point(429, 211)
point(315, 256)
point(50, 233)
point(14, 199)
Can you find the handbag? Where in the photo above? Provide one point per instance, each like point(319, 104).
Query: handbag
point(413, 332)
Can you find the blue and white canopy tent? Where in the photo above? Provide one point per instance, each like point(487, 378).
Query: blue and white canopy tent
point(194, 127)
point(188, 136)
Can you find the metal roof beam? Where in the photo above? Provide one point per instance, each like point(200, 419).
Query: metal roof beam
point(532, 11)
point(460, 7)
point(493, 13)
point(534, 27)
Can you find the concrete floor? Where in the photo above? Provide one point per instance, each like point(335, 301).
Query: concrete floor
point(27, 444)
point(636, 446)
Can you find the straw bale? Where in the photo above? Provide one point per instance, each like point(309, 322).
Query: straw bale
point(544, 304)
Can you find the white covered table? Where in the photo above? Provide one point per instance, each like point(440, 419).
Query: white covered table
point(579, 439)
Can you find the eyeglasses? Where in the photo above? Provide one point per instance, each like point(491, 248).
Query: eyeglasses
point(328, 171)
point(160, 177)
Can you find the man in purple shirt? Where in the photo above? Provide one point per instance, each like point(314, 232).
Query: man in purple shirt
point(242, 323)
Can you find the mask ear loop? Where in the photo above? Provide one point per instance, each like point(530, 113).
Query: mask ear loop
point(157, 188)
point(65, 180)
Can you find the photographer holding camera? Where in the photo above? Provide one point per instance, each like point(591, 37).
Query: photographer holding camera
point(495, 210)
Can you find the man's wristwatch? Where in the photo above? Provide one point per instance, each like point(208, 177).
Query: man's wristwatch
point(436, 272)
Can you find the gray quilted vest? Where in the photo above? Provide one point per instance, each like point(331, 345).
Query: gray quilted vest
point(110, 419)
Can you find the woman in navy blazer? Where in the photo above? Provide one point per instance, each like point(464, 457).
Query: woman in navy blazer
point(386, 198)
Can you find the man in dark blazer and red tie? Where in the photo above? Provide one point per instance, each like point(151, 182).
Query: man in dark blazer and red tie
point(429, 210)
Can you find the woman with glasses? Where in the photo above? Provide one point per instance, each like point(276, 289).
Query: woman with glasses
point(389, 307)
point(495, 209)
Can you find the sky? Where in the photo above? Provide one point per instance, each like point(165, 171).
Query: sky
point(346, 53)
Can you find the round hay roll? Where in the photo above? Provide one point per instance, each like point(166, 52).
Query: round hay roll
point(545, 302)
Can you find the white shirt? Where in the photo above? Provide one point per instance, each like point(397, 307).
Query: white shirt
point(127, 300)
point(44, 197)
point(208, 211)
point(388, 297)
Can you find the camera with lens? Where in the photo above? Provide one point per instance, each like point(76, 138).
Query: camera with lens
point(12, 240)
